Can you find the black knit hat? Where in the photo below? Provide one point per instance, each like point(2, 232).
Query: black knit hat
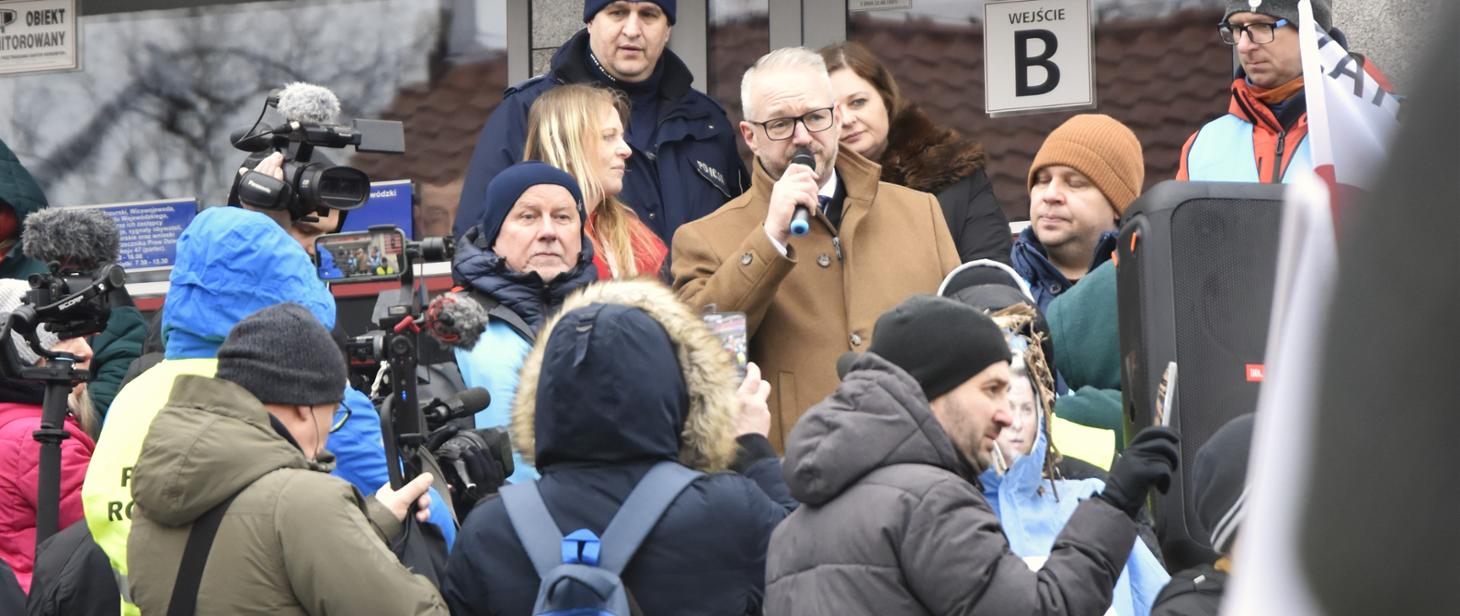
point(1285, 9)
point(283, 355)
point(940, 342)
point(991, 286)
point(1220, 477)
point(592, 7)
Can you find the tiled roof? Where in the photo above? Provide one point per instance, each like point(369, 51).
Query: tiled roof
point(442, 120)
point(1163, 78)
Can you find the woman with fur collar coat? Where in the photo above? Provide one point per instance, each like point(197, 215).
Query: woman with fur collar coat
point(916, 153)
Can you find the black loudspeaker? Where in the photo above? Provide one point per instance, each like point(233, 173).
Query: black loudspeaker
point(1197, 263)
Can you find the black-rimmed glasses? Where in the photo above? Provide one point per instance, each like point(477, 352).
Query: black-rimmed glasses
point(781, 129)
point(1258, 33)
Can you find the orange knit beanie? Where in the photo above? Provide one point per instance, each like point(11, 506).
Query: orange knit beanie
point(1100, 148)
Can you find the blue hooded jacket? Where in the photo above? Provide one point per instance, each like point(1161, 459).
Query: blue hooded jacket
point(493, 362)
point(1033, 510)
point(611, 401)
point(691, 171)
point(232, 262)
point(1045, 280)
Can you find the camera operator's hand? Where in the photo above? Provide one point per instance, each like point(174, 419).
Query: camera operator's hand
point(1147, 462)
point(272, 166)
point(797, 186)
point(399, 501)
point(755, 415)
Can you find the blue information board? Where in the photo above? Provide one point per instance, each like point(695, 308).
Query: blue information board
point(149, 230)
point(389, 204)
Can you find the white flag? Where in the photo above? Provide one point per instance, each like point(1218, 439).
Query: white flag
point(1351, 116)
point(1352, 111)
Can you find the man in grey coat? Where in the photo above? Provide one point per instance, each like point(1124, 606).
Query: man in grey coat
point(893, 520)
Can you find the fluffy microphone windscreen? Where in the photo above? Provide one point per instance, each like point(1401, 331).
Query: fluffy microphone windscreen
point(76, 238)
point(306, 102)
point(456, 320)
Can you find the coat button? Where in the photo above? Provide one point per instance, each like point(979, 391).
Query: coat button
point(823, 260)
point(746, 258)
point(653, 216)
point(856, 340)
point(1055, 288)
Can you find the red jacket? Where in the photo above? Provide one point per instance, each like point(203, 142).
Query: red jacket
point(19, 468)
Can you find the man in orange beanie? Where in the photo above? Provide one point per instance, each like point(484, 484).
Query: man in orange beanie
point(1086, 174)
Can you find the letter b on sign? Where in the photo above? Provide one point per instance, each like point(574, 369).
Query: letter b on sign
point(1025, 60)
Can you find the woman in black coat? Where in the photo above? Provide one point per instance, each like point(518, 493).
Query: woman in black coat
point(916, 153)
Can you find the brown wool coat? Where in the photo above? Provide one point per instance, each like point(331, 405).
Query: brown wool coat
point(807, 308)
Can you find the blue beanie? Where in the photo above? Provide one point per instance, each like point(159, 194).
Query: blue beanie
point(592, 7)
point(509, 185)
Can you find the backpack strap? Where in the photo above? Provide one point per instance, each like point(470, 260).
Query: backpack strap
point(535, 528)
point(495, 308)
point(641, 512)
point(184, 600)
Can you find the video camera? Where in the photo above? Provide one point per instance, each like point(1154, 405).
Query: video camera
point(387, 356)
point(309, 122)
point(70, 305)
point(381, 253)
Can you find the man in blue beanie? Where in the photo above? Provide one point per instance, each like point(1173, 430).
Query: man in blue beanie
point(684, 163)
point(515, 267)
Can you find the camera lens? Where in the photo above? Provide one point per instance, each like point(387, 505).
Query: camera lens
point(337, 187)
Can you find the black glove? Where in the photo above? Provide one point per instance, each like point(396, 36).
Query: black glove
point(476, 463)
point(1148, 461)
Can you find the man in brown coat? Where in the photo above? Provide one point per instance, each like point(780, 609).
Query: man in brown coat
point(808, 298)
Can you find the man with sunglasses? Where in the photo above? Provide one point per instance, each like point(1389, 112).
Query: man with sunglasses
point(1264, 133)
point(812, 297)
point(243, 453)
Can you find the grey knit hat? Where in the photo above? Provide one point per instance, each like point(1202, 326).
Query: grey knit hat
point(1285, 9)
point(12, 293)
point(1219, 475)
point(283, 355)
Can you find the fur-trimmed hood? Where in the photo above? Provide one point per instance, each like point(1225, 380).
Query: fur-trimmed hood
point(924, 156)
point(603, 380)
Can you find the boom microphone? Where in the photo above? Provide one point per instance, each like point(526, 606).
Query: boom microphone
point(464, 404)
point(455, 319)
point(79, 239)
point(801, 218)
point(306, 102)
point(298, 102)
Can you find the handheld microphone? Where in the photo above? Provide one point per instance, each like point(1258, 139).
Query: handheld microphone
point(464, 404)
point(801, 218)
point(78, 239)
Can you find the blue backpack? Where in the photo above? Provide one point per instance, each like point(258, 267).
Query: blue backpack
point(580, 572)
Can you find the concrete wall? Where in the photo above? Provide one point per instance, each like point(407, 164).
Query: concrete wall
point(553, 23)
point(1395, 33)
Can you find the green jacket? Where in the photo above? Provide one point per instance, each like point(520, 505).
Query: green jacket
point(114, 350)
point(1086, 332)
point(21, 191)
point(294, 541)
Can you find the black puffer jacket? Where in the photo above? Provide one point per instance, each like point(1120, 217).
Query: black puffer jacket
point(893, 521)
point(624, 378)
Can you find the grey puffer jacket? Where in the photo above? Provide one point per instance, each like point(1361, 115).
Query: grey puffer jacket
point(893, 522)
